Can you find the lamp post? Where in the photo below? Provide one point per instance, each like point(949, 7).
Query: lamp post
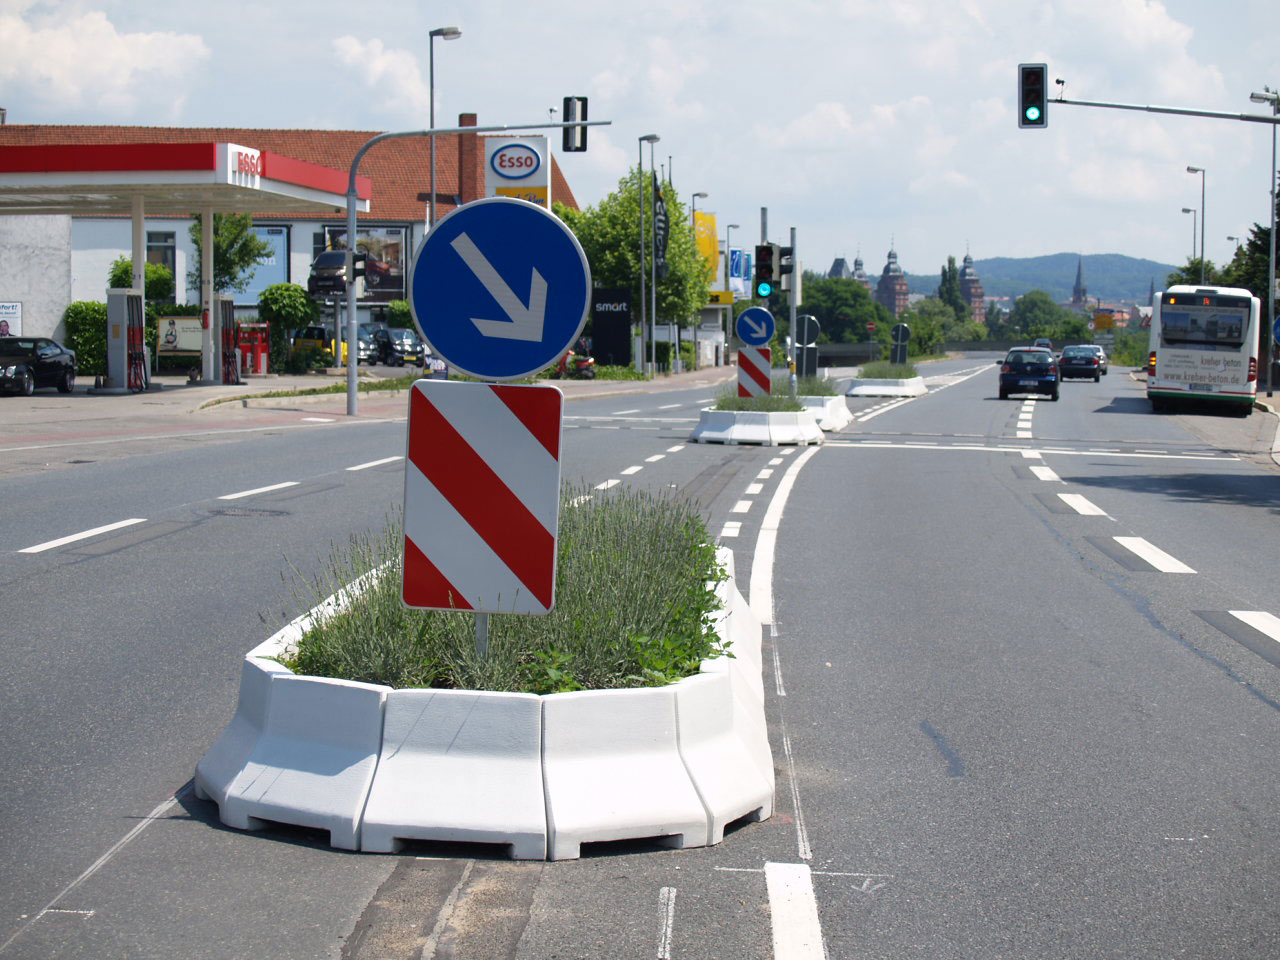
point(647, 138)
point(653, 276)
point(1200, 170)
point(1272, 97)
point(1236, 241)
point(1192, 211)
point(445, 33)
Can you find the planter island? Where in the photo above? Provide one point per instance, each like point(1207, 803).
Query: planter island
point(749, 426)
point(541, 775)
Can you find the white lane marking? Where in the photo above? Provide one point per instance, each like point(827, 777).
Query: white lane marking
point(250, 493)
point(1153, 555)
point(742, 506)
point(797, 933)
point(63, 541)
point(1261, 621)
point(318, 419)
point(753, 489)
point(670, 406)
point(787, 452)
point(732, 528)
point(1081, 505)
point(675, 449)
point(775, 461)
point(623, 413)
point(1023, 434)
point(373, 463)
point(150, 818)
point(777, 661)
point(607, 484)
point(706, 400)
point(630, 470)
point(1024, 421)
point(1046, 473)
point(766, 541)
point(667, 913)
point(764, 474)
point(872, 414)
point(1032, 455)
point(655, 458)
point(1004, 448)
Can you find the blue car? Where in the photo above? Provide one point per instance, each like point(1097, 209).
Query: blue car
point(1029, 370)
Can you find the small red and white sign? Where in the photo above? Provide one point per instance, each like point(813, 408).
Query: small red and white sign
point(754, 365)
point(482, 497)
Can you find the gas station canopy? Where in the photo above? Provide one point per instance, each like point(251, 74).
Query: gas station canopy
point(168, 178)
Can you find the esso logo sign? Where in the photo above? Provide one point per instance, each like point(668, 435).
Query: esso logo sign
point(250, 163)
point(515, 161)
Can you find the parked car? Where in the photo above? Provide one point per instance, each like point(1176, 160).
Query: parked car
point(1078, 362)
point(397, 346)
point(1029, 370)
point(1102, 356)
point(313, 336)
point(30, 362)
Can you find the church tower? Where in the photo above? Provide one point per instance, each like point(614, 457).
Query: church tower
point(1080, 293)
point(971, 290)
point(891, 291)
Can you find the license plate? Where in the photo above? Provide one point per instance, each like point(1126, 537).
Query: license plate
point(1028, 383)
point(1200, 387)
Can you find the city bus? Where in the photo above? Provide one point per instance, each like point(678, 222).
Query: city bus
point(1204, 347)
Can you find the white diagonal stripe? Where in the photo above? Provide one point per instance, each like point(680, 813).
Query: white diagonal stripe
point(1045, 473)
point(1153, 555)
point(503, 442)
point(1261, 621)
point(1081, 505)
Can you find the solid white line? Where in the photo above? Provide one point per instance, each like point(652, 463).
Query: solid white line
point(319, 419)
point(655, 458)
point(706, 400)
point(1081, 505)
point(797, 933)
point(250, 493)
point(766, 541)
point(623, 413)
point(607, 484)
point(1046, 473)
point(753, 489)
point(732, 528)
point(630, 470)
point(62, 541)
point(1153, 555)
point(670, 406)
point(1032, 455)
point(742, 506)
point(1261, 621)
point(667, 912)
point(871, 415)
point(150, 818)
point(373, 463)
point(777, 661)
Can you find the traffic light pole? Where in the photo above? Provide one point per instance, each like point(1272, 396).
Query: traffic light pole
point(1180, 111)
point(791, 311)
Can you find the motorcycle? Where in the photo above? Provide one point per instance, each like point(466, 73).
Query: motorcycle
point(577, 366)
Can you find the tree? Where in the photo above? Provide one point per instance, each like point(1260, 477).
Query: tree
point(284, 307)
point(1190, 274)
point(1034, 314)
point(949, 291)
point(929, 320)
point(157, 277)
point(610, 236)
point(236, 251)
point(842, 306)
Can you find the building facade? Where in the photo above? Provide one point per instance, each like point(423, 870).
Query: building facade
point(971, 290)
point(891, 291)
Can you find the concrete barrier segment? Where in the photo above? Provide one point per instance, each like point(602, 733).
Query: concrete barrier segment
point(459, 765)
point(223, 761)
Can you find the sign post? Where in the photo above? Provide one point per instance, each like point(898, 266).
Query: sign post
point(499, 289)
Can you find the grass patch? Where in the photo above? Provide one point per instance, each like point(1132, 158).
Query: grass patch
point(884, 370)
point(634, 602)
point(814, 387)
point(779, 401)
point(610, 372)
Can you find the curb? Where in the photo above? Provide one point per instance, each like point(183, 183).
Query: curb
point(911, 387)
point(542, 775)
point(766, 429)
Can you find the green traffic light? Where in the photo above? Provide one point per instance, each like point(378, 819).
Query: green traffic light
point(764, 288)
point(1032, 114)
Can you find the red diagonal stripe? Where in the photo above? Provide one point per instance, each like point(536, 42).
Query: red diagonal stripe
point(538, 408)
point(425, 585)
point(483, 500)
point(755, 373)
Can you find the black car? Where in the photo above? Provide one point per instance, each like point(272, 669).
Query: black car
point(397, 346)
point(1029, 370)
point(30, 362)
point(1079, 362)
point(328, 273)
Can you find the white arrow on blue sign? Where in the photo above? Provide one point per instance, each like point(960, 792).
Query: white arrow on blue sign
point(755, 326)
point(500, 288)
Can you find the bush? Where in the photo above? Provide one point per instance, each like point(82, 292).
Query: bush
point(610, 372)
point(86, 326)
point(398, 314)
point(814, 387)
point(884, 370)
point(156, 276)
point(305, 360)
point(285, 307)
point(634, 603)
point(777, 402)
point(662, 353)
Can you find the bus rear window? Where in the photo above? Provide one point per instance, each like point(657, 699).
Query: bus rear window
point(1206, 326)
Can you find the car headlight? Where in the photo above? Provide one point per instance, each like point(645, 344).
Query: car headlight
point(10, 370)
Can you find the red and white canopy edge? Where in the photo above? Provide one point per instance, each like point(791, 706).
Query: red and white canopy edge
point(170, 178)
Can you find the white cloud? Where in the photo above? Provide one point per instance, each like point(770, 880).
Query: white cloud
point(393, 74)
point(77, 62)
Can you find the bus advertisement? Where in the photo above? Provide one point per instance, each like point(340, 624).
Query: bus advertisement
point(1204, 346)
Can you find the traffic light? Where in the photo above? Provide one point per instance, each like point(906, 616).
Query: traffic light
point(786, 263)
point(1033, 96)
point(358, 261)
point(575, 138)
point(766, 269)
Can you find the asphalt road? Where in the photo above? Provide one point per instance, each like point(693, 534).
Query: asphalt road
point(998, 729)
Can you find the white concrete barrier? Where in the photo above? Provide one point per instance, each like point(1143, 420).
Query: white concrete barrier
point(459, 765)
point(749, 426)
point(910, 387)
point(832, 413)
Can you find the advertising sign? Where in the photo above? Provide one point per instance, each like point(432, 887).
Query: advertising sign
point(271, 269)
point(704, 231)
point(178, 335)
point(518, 167)
point(385, 267)
point(10, 318)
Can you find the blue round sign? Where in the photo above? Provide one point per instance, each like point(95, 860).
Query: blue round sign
point(755, 326)
point(500, 288)
point(1275, 330)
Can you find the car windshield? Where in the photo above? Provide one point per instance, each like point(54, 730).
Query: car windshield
point(330, 258)
point(1077, 352)
point(406, 335)
point(1028, 356)
point(17, 347)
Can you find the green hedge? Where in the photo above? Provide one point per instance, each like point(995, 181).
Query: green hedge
point(86, 325)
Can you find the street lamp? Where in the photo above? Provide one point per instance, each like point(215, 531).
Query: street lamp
point(649, 138)
point(1236, 241)
point(1192, 211)
point(445, 33)
point(1272, 97)
point(1200, 170)
point(653, 268)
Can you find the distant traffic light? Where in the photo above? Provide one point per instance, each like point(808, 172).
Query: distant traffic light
point(358, 263)
point(785, 264)
point(1033, 96)
point(766, 269)
point(575, 138)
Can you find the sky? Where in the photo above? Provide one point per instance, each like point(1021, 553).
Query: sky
point(861, 124)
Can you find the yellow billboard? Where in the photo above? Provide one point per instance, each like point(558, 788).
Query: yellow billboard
point(704, 229)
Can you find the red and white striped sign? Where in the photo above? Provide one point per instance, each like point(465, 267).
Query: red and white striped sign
point(754, 364)
point(482, 497)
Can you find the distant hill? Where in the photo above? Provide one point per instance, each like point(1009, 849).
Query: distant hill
point(1111, 276)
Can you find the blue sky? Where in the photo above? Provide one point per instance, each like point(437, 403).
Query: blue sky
point(856, 122)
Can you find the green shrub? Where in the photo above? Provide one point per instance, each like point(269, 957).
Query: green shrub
point(633, 607)
point(86, 326)
point(398, 314)
point(662, 354)
point(779, 401)
point(814, 387)
point(305, 360)
point(618, 373)
point(884, 370)
point(285, 307)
